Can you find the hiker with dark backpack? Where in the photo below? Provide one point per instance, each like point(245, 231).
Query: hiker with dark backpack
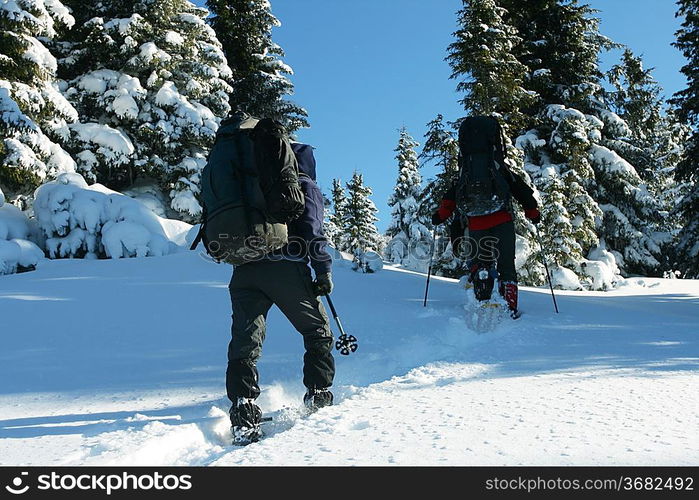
point(482, 198)
point(263, 215)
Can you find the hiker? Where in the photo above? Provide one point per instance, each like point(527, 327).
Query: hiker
point(272, 268)
point(482, 200)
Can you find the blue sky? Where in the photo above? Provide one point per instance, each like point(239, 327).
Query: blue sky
point(365, 68)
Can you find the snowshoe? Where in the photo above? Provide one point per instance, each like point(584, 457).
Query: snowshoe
point(487, 311)
point(246, 417)
point(315, 399)
point(487, 316)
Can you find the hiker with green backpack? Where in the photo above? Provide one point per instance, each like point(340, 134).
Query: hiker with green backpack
point(481, 200)
point(263, 214)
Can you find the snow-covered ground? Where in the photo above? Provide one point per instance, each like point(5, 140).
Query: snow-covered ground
point(121, 362)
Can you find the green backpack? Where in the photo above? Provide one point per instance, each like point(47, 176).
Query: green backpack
point(250, 191)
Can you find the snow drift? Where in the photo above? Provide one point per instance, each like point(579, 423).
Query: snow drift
point(93, 222)
point(611, 380)
point(17, 253)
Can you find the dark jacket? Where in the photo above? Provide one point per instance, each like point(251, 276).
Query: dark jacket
point(307, 242)
point(520, 191)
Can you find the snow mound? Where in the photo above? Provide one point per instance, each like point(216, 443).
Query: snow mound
point(17, 253)
point(94, 221)
point(565, 279)
point(410, 253)
point(602, 269)
point(367, 262)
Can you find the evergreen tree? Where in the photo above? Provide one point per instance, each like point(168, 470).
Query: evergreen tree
point(636, 99)
point(481, 60)
point(561, 171)
point(630, 209)
point(575, 131)
point(560, 47)
point(559, 241)
point(687, 101)
point(330, 230)
point(667, 185)
point(359, 231)
point(441, 148)
point(336, 218)
point(652, 144)
point(260, 80)
point(406, 193)
point(409, 239)
point(148, 78)
point(33, 114)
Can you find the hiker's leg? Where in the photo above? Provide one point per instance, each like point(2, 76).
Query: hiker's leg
point(250, 307)
point(292, 291)
point(505, 235)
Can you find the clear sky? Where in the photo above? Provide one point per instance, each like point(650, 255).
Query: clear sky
point(365, 68)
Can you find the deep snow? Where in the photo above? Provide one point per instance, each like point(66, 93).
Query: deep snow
point(122, 362)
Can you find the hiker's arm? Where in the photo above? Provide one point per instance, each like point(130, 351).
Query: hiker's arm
point(521, 191)
point(446, 208)
point(524, 194)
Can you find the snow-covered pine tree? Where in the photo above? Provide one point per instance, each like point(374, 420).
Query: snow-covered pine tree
point(260, 77)
point(555, 146)
point(481, 59)
point(494, 81)
point(330, 230)
point(565, 173)
point(574, 127)
point(560, 46)
point(148, 78)
point(441, 148)
point(644, 138)
point(410, 240)
point(33, 113)
point(687, 101)
point(336, 217)
point(560, 243)
point(658, 138)
point(636, 99)
point(358, 219)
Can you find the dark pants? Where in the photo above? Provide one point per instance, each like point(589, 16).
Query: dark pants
point(254, 288)
point(497, 245)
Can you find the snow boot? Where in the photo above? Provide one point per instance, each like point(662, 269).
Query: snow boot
point(315, 399)
point(245, 421)
point(483, 283)
point(509, 291)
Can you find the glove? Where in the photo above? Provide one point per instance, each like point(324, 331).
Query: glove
point(533, 215)
point(436, 219)
point(323, 285)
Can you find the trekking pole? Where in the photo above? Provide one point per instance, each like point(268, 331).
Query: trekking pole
point(429, 269)
point(345, 343)
point(548, 275)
